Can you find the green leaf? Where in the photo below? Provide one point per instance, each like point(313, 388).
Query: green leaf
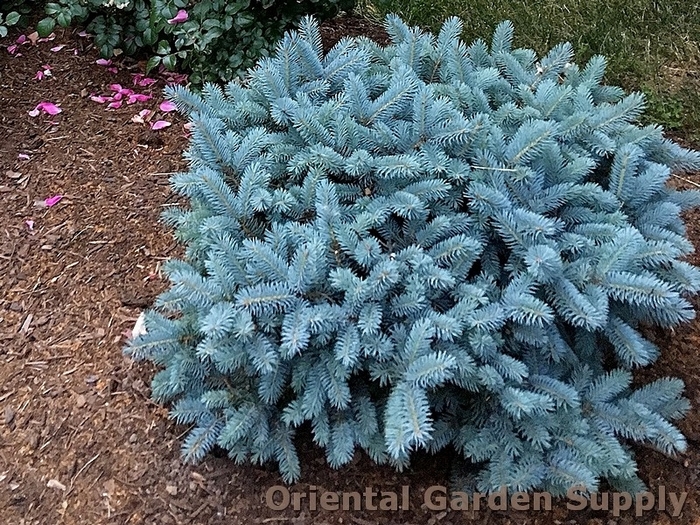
point(152, 62)
point(3, 31)
point(150, 36)
point(244, 20)
point(11, 18)
point(63, 19)
point(163, 47)
point(170, 61)
point(52, 8)
point(79, 11)
point(45, 26)
point(211, 23)
point(106, 50)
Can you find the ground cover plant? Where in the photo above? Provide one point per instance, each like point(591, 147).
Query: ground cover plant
point(424, 245)
point(213, 40)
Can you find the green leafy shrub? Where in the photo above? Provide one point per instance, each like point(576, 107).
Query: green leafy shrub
point(12, 13)
point(214, 39)
point(7, 20)
point(421, 246)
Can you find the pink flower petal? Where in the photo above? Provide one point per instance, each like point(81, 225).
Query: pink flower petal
point(180, 17)
point(160, 124)
point(167, 106)
point(115, 87)
point(99, 99)
point(39, 75)
point(57, 48)
point(147, 82)
point(12, 49)
point(143, 114)
point(48, 38)
point(52, 201)
point(30, 224)
point(46, 66)
point(21, 39)
point(84, 34)
point(49, 107)
point(137, 97)
point(115, 105)
point(103, 62)
point(23, 156)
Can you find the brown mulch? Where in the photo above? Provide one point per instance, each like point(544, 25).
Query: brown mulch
point(80, 441)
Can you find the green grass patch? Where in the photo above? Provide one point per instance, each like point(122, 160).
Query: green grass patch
point(651, 45)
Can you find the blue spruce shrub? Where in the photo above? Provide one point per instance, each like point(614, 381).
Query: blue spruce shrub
point(425, 245)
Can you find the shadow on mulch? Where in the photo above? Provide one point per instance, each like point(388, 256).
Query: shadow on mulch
point(80, 442)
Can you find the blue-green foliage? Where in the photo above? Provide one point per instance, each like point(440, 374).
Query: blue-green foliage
point(425, 245)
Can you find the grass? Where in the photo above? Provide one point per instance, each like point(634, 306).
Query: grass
point(651, 45)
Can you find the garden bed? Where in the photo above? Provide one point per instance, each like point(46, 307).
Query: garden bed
point(80, 441)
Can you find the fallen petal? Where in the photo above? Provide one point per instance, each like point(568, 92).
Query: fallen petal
point(49, 107)
point(140, 326)
point(12, 49)
point(103, 62)
point(99, 99)
point(115, 105)
point(84, 34)
point(39, 75)
point(147, 82)
point(21, 39)
point(144, 113)
point(138, 119)
point(23, 156)
point(137, 97)
point(33, 113)
point(57, 48)
point(160, 124)
point(33, 37)
point(180, 17)
point(52, 201)
point(167, 106)
point(30, 224)
point(115, 87)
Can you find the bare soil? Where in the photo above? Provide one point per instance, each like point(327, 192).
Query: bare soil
point(80, 441)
